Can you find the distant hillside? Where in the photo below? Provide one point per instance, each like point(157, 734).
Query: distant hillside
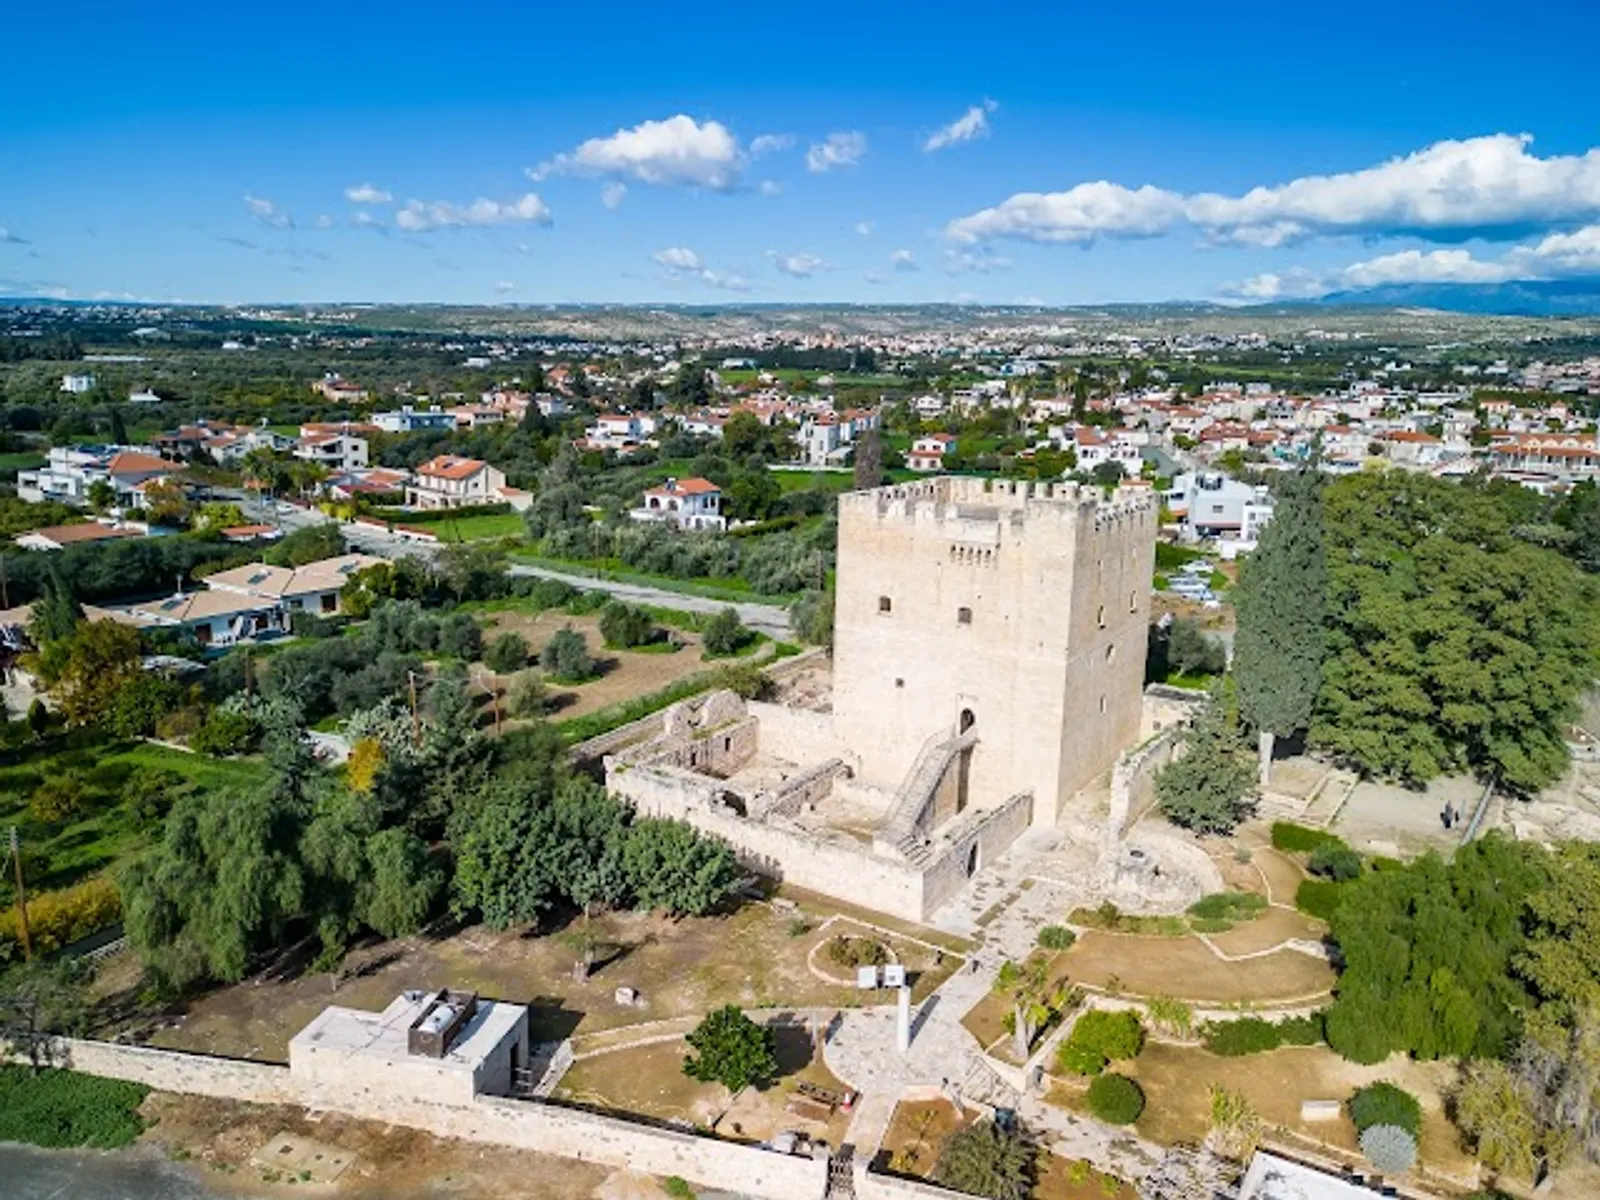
point(1553, 298)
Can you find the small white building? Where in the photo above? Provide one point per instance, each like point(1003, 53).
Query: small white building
point(687, 503)
point(78, 384)
point(437, 1047)
point(335, 451)
point(407, 419)
point(927, 452)
point(1210, 504)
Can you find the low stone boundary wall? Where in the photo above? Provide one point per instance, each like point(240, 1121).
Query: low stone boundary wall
point(540, 1126)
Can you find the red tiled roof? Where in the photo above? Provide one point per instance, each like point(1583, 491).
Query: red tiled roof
point(448, 466)
point(684, 487)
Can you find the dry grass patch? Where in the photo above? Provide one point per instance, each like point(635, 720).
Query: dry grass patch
point(1271, 928)
point(1186, 969)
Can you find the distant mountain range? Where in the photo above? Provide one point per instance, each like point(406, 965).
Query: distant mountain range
point(1550, 298)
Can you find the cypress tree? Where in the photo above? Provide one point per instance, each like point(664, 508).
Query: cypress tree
point(1278, 648)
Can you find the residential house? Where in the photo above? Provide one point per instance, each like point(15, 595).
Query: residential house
point(620, 431)
point(335, 451)
point(450, 481)
point(476, 416)
point(406, 419)
point(1409, 448)
point(143, 396)
point(927, 453)
point(373, 483)
point(77, 385)
point(58, 537)
point(249, 602)
point(340, 391)
point(1209, 504)
point(693, 503)
point(70, 470)
point(1552, 457)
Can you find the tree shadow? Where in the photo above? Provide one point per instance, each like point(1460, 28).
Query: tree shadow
point(550, 1020)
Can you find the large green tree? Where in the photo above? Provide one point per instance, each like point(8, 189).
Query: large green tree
point(731, 1049)
point(986, 1160)
point(1279, 645)
point(1210, 787)
point(1452, 642)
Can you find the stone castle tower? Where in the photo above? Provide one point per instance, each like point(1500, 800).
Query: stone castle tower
point(1001, 622)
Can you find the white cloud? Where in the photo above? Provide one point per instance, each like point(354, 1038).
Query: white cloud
point(836, 150)
point(1080, 214)
point(864, 228)
point(1555, 256)
point(611, 194)
point(1452, 190)
point(680, 262)
point(770, 143)
point(366, 193)
point(770, 187)
point(268, 213)
point(504, 285)
point(679, 151)
point(325, 222)
point(975, 261)
point(419, 216)
point(679, 258)
point(903, 260)
point(969, 126)
point(797, 266)
point(366, 220)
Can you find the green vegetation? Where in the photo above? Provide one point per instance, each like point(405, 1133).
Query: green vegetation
point(1298, 839)
point(1116, 1099)
point(986, 1160)
point(59, 1109)
point(1098, 1038)
point(746, 679)
point(480, 528)
point(1253, 1035)
point(1056, 937)
point(731, 1049)
point(1210, 786)
point(1385, 1104)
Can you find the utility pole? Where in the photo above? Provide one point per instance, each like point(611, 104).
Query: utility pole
point(22, 898)
point(416, 718)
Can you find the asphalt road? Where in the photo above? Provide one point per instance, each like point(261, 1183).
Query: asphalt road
point(770, 619)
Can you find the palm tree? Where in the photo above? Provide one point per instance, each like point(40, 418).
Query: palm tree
point(986, 1160)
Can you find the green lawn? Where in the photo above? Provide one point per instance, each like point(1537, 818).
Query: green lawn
point(106, 829)
point(57, 1109)
point(730, 588)
point(822, 481)
point(21, 461)
point(474, 529)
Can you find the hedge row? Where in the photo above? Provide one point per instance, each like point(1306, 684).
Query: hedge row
point(1299, 839)
point(1253, 1035)
point(58, 1109)
point(61, 917)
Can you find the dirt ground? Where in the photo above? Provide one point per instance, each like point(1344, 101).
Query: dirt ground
point(650, 1080)
point(985, 1020)
point(1176, 1080)
point(1271, 928)
point(392, 1162)
point(681, 968)
point(628, 673)
point(1184, 968)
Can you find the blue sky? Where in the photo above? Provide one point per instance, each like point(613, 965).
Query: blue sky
point(1062, 154)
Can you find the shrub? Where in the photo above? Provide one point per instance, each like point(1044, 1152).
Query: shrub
point(1253, 1035)
point(1389, 1149)
point(724, 634)
point(677, 1188)
point(624, 625)
point(507, 653)
point(1228, 906)
point(857, 952)
point(57, 799)
point(1247, 1035)
point(1299, 839)
point(526, 695)
point(1056, 937)
point(1339, 863)
point(1174, 1016)
point(1112, 1034)
point(566, 656)
point(1080, 1060)
point(1116, 1099)
point(1318, 898)
point(60, 917)
point(226, 733)
point(1386, 1104)
point(58, 1109)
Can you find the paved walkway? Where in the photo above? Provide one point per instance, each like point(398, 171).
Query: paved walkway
point(1002, 909)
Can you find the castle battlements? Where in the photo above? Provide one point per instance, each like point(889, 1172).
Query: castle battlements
point(965, 498)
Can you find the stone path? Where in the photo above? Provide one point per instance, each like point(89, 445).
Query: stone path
point(1002, 909)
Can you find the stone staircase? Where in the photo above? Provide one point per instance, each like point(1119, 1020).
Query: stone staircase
point(903, 827)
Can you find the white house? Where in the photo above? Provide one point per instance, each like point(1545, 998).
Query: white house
point(450, 481)
point(77, 384)
point(1209, 504)
point(687, 503)
point(70, 470)
point(406, 419)
point(927, 452)
point(335, 451)
point(618, 430)
point(250, 601)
